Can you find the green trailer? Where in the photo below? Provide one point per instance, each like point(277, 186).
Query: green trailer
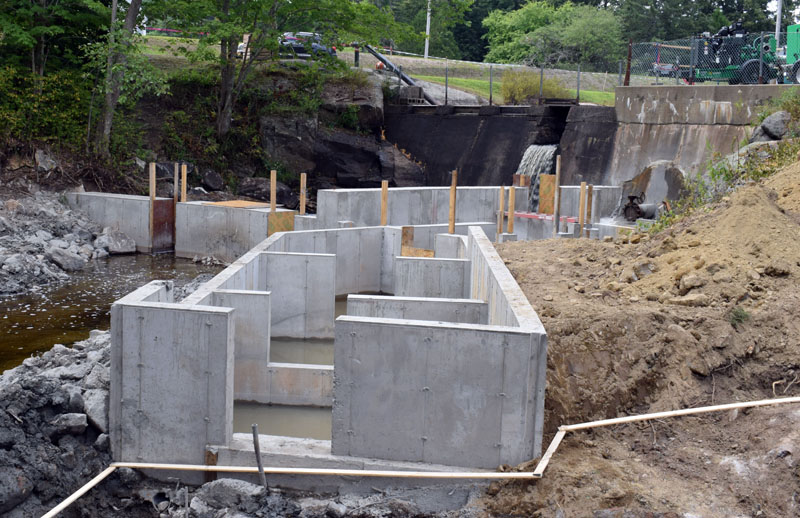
point(735, 59)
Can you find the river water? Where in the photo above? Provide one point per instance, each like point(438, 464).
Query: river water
point(66, 313)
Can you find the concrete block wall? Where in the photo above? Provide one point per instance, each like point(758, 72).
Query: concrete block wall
point(459, 310)
point(430, 277)
point(171, 389)
point(303, 288)
point(127, 213)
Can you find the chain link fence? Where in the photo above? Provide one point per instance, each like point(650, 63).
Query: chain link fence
point(735, 59)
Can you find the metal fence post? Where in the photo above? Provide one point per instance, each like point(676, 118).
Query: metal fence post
point(628, 66)
point(761, 60)
point(692, 59)
point(578, 94)
point(491, 84)
point(678, 70)
point(446, 74)
point(620, 72)
point(541, 81)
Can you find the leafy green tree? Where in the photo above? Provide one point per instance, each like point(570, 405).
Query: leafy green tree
point(223, 24)
point(506, 31)
point(37, 32)
point(470, 34)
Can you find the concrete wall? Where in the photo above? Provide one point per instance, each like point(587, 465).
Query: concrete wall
point(418, 308)
point(225, 233)
point(171, 380)
point(409, 205)
point(430, 277)
point(286, 384)
point(303, 288)
point(450, 246)
point(682, 124)
point(127, 213)
point(435, 392)
point(605, 198)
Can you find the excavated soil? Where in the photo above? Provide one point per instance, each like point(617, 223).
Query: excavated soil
point(705, 312)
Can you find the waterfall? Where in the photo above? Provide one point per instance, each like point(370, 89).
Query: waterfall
point(537, 160)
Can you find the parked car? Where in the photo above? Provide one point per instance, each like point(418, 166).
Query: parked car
point(304, 45)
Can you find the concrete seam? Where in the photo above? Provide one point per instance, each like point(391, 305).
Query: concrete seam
point(526, 396)
point(139, 319)
point(426, 393)
point(206, 339)
point(502, 402)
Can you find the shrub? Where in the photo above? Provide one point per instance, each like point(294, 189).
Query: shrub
point(521, 86)
point(49, 108)
point(738, 316)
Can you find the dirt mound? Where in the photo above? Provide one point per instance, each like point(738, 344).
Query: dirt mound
point(786, 183)
point(703, 313)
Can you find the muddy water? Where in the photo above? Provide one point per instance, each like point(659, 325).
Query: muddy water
point(288, 421)
point(64, 314)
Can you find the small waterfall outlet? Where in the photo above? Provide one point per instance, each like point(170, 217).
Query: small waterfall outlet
point(537, 160)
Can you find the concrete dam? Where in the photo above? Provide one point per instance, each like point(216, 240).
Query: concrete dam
point(599, 145)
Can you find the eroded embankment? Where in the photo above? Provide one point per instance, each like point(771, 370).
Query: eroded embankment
point(703, 313)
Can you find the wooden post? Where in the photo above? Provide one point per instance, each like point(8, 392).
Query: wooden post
point(183, 183)
point(175, 185)
point(557, 199)
point(451, 227)
point(512, 195)
point(302, 193)
point(589, 196)
point(501, 213)
point(384, 201)
point(152, 202)
point(581, 209)
point(273, 190)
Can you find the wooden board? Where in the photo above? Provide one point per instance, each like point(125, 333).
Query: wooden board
point(410, 251)
point(547, 193)
point(280, 222)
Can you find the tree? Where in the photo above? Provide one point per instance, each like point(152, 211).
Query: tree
point(223, 23)
point(470, 34)
point(506, 32)
point(37, 31)
point(445, 15)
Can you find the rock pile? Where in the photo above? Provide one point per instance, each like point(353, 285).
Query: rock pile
point(41, 239)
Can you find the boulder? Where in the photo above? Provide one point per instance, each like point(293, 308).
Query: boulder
point(95, 404)
point(398, 167)
point(44, 162)
point(759, 135)
point(258, 188)
point(351, 159)
point(66, 260)
point(115, 242)
point(290, 140)
point(72, 424)
point(15, 488)
point(227, 492)
point(212, 180)
point(777, 124)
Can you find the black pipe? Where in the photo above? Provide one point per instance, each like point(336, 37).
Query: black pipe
point(391, 67)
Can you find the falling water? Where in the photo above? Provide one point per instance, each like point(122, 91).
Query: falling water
point(537, 160)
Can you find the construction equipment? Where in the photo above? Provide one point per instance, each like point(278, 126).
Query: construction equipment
point(729, 55)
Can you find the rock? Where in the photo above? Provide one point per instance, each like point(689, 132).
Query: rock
point(44, 162)
point(721, 277)
point(778, 268)
point(65, 259)
point(678, 335)
point(699, 366)
point(777, 124)
point(753, 275)
point(693, 300)
point(628, 275)
point(608, 239)
point(71, 424)
point(644, 268)
point(58, 243)
point(12, 205)
point(212, 180)
point(141, 164)
point(759, 135)
point(102, 442)
point(96, 408)
point(15, 488)
point(227, 492)
point(290, 140)
point(258, 188)
point(115, 242)
point(398, 167)
point(691, 281)
point(335, 510)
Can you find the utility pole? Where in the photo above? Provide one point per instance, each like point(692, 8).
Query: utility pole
point(777, 24)
point(428, 29)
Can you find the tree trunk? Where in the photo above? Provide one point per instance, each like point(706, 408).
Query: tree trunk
point(114, 79)
point(227, 91)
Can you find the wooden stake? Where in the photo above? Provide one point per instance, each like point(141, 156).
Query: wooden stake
point(501, 213)
point(512, 196)
point(152, 203)
point(303, 193)
point(451, 227)
point(273, 190)
point(384, 201)
point(175, 185)
point(557, 199)
point(183, 183)
point(581, 209)
point(589, 196)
